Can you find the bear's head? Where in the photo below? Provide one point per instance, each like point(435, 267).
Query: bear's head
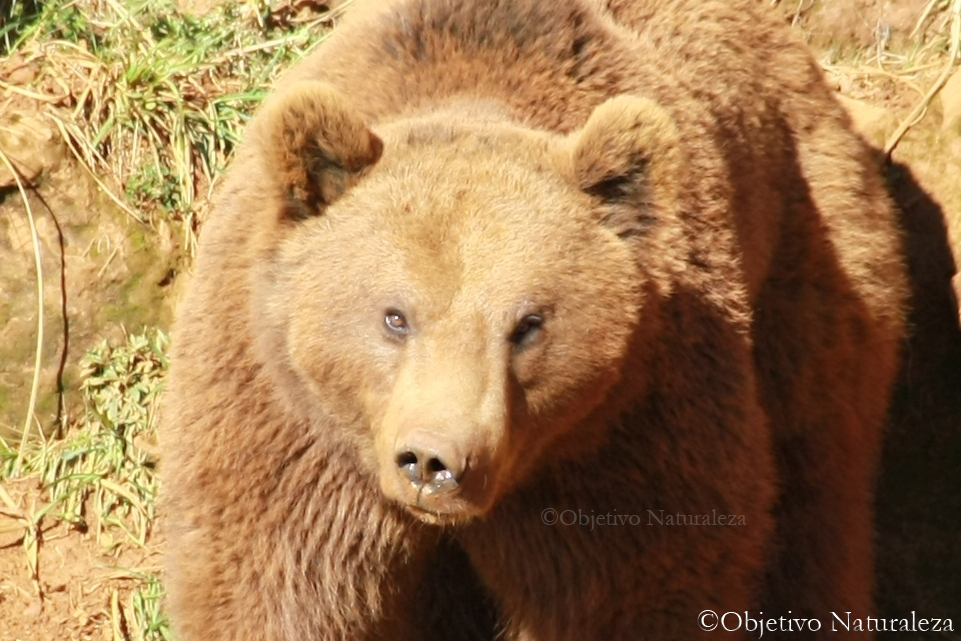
point(457, 294)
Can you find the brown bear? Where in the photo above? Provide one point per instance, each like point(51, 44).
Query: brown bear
point(553, 321)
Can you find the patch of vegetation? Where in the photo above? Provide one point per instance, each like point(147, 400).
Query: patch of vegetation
point(146, 602)
point(101, 461)
point(152, 99)
point(101, 479)
point(14, 18)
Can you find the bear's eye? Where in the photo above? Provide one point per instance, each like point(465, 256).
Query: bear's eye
point(525, 331)
point(395, 322)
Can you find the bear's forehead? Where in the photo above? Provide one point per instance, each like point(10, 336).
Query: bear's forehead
point(479, 216)
point(502, 242)
point(453, 248)
point(466, 184)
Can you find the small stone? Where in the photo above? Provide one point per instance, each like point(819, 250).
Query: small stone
point(22, 75)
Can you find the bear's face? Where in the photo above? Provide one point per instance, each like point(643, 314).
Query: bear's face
point(461, 301)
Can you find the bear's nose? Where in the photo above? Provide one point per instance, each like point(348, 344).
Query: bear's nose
point(430, 463)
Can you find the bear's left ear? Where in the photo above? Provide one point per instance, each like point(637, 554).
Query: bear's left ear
point(628, 157)
point(316, 146)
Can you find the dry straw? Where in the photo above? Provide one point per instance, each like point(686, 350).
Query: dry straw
point(955, 44)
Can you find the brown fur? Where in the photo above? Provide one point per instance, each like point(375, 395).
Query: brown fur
point(719, 277)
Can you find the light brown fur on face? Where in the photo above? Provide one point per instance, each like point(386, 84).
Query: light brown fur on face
point(456, 376)
point(476, 260)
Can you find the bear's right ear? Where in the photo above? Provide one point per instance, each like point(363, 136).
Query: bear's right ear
point(316, 146)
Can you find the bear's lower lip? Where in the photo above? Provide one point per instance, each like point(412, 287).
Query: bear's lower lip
point(450, 511)
point(438, 518)
point(428, 516)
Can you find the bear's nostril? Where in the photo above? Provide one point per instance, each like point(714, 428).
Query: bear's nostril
point(410, 467)
point(435, 465)
point(405, 459)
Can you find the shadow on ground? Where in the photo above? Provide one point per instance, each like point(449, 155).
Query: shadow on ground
point(919, 491)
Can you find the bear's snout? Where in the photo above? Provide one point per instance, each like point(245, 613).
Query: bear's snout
point(433, 465)
point(438, 476)
point(444, 425)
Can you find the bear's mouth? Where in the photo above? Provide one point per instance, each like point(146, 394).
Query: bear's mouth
point(445, 510)
point(436, 504)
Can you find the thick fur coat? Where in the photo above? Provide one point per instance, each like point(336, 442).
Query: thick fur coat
point(616, 257)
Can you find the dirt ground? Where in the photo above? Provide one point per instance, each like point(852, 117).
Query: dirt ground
point(85, 586)
point(862, 44)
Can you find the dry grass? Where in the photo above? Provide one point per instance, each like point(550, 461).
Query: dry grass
point(150, 100)
point(924, 65)
point(954, 15)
